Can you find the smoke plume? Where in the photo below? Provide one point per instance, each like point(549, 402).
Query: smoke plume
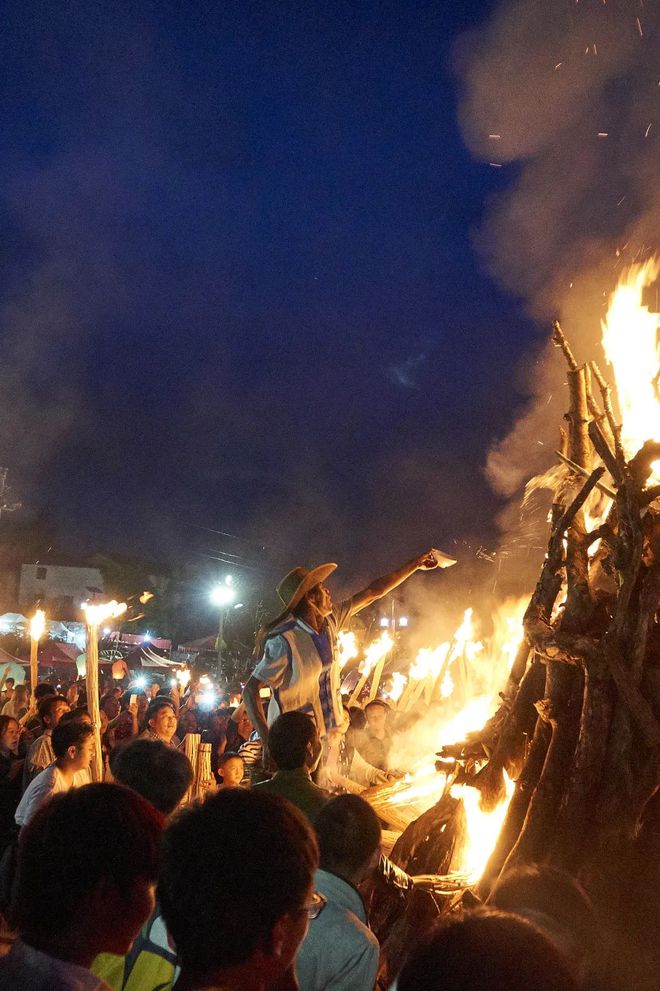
point(563, 97)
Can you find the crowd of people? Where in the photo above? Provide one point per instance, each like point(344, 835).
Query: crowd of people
point(267, 881)
point(264, 884)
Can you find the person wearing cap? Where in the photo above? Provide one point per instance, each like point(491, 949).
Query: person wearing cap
point(299, 652)
point(374, 742)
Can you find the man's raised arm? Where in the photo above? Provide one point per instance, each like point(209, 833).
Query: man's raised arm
point(381, 586)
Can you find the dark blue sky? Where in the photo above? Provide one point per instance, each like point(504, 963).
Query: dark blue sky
point(238, 283)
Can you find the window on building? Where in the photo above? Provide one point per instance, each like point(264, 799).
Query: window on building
point(41, 574)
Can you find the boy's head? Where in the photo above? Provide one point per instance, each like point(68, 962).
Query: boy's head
point(232, 768)
point(294, 742)
point(86, 867)
point(73, 743)
point(159, 773)
point(236, 886)
point(51, 709)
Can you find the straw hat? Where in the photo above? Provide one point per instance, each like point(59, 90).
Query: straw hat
point(295, 586)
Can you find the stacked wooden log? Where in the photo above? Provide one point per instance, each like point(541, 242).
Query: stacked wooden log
point(579, 726)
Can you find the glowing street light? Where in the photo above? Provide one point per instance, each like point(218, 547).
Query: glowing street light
point(223, 595)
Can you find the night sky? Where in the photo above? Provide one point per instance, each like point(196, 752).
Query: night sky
point(238, 282)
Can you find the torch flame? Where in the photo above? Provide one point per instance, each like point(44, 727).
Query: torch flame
point(376, 649)
point(98, 613)
point(399, 682)
point(38, 624)
point(348, 647)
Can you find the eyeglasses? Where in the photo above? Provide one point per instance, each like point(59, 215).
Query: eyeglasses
point(316, 906)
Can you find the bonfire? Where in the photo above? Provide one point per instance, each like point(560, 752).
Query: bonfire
point(561, 765)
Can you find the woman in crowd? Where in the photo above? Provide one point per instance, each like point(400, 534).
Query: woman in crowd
point(73, 695)
point(239, 728)
point(127, 725)
point(11, 773)
point(187, 724)
point(18, 703)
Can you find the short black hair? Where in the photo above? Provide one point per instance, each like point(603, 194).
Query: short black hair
point(485, 949)
point(74, 715)
point(227, 756)
point(252, 859)
point(288, 739)
point(46, 706)
point(159, 773)
point(43, 690)
point(158, 703)
point(78, 840)
point(348, 832)
point(8, 680)
point(69, 734)
point(554, 894)
point(379, 702)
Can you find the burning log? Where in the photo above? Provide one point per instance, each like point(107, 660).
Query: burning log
point(594, 760)
point(429, 844)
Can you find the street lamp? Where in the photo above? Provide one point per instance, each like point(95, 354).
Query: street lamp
point(222, 595)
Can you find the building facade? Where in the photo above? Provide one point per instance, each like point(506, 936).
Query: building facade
point(61, 588)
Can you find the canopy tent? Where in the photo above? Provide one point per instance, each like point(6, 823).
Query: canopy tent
point(204, 643)
point(12, 621)
point(12, 667)
point(145, 657)
point(57, 629)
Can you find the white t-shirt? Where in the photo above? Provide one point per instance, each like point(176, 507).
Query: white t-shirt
point(46, 784)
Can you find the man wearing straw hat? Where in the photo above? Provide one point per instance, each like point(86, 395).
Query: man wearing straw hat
point(299, 653)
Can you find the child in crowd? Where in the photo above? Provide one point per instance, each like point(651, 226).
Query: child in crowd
point(232, 769)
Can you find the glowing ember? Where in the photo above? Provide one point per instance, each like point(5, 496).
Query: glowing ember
point(630, 342)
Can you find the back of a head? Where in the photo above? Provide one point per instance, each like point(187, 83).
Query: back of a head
point(159, 773)
point(97, 834)
point(230, 868)
point(289, 738)
point(555, 902)
point(43, 690)
point(485, 951)
point(77, 715)
point(348, 832)
point(71, 734)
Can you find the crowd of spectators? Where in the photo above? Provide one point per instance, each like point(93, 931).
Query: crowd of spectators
point(262, 886)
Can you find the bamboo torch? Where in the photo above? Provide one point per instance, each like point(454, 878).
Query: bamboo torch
point(37, 628)
point(95, 615)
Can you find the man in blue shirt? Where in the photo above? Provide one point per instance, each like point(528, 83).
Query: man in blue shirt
point(340, 953)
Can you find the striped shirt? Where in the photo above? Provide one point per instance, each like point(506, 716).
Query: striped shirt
point(302, 669)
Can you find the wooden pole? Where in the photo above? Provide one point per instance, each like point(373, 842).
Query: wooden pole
point(37, 628)
point(34, 664)
point(378, 674)
point(92, 682)
point(358, 689)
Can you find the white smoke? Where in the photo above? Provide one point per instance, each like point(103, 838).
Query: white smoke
point(564, 96)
